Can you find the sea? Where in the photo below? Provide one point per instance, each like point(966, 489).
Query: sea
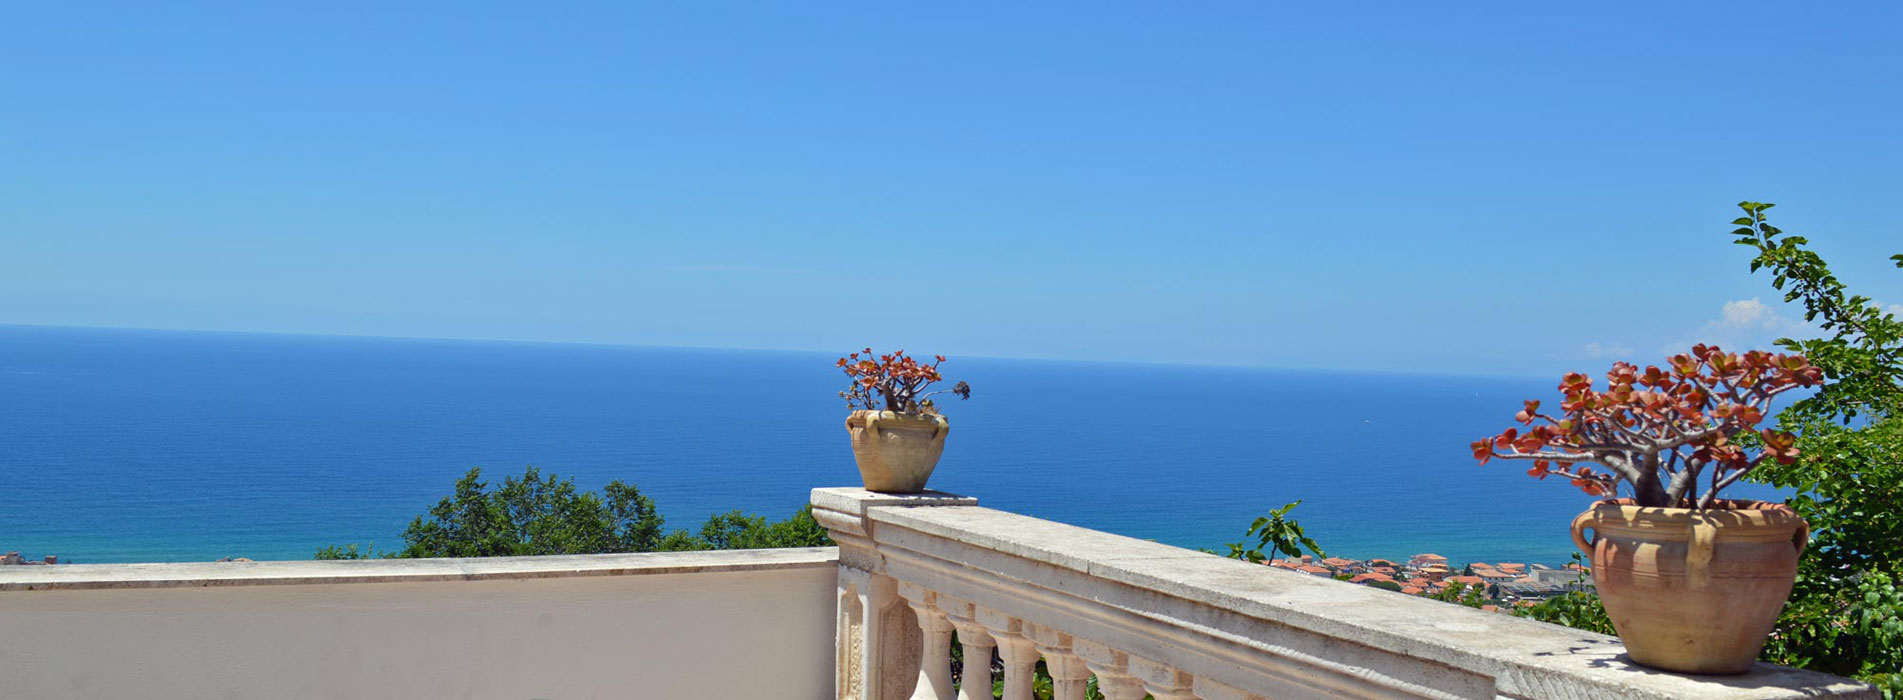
point(166, 446)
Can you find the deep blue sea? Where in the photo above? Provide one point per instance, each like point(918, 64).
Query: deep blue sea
point(126, 446)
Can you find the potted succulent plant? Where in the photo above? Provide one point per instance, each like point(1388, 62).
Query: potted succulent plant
point(897, 432)
point(1692, 582)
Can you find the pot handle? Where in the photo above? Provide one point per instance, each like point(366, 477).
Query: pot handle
point(1580, 523)
point(1801, 538)
point(872, 427)
point(1698, 550)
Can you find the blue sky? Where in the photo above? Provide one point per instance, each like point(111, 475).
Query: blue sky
point(1509, 188)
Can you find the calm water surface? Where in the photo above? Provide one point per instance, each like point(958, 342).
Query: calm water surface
point(119, 446)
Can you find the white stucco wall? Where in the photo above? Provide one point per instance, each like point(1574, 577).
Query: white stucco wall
point(699, 625)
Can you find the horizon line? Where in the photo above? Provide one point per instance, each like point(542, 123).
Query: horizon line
point(657, 346)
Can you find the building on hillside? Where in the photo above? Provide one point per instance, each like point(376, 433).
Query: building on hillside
point(1344, 566)
point(1529, 589)
point(1469, 581)
point(1488, 573)
point(1422, 561)
point(1547, 575)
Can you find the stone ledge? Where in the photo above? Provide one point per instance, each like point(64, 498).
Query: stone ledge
point(281, 573)
point(854, 500)
point(1525, 659)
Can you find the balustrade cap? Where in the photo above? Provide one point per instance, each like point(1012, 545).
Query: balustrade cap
point(1185, 595)
point(855, 501)
point(262, 573)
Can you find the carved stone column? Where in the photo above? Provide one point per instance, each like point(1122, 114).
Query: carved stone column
point(977, 645)
point(1112, 670)
point(878, 641)
point(1070, 678)
point(934, 673)
point(1017, 651)
point(1163, 682)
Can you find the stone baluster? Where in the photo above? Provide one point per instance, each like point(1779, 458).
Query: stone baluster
point(1112, 670)
point(1163, 682)
point(934, 672)
point(1017, 651)
point(977, 644)
point(1070, 678)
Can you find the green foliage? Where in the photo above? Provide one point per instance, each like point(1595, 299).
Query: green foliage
point(527, 516)
point(1862, 358)
point(1385, 585)
point(1278, 534)
point(1579, 608)
point(536, 515)
point(350, 551)
point(1460, 593)
point(737, 530)
point(1845, 615)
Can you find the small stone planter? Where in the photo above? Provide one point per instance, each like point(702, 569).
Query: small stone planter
point(896, 452)
point(1693, 591)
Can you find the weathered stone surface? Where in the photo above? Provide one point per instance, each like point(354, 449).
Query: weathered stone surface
point(264, 573)
point(654, 631)
point(1271, 633)
point(854, 500)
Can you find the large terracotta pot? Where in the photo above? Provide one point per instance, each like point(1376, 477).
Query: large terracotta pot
point(896, 452)
point(1694, 591)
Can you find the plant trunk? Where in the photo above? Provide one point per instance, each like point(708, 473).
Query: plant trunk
point(1649, 493)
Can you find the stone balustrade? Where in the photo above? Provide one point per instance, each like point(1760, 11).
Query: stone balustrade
point(917, 571)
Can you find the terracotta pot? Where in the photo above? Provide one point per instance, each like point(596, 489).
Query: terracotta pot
point(1693, 591)
point(896, 452)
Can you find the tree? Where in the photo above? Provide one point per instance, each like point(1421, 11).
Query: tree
point(547, 515)
point(1845, 614)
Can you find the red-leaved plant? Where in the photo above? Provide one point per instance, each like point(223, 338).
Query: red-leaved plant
point(894, 382)
point(1660, 431)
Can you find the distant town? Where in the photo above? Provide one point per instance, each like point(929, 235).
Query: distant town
point(1502, 584)
point(14, 558)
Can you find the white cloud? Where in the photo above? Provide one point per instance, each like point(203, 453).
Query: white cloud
point(1605, 350)
point(1747, 312)
point(1743, 324)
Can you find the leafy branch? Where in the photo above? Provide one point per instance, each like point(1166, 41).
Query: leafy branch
point(1278, 534)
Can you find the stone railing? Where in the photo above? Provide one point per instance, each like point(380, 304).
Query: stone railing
point(734, 624)
point(1145, 618)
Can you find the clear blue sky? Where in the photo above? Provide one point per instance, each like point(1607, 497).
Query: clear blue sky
point(1507, 188)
